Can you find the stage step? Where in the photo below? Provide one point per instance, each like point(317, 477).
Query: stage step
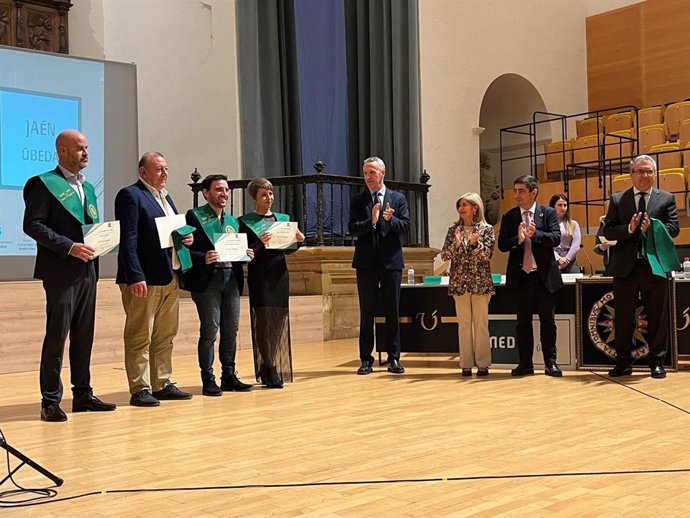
point(22, 324)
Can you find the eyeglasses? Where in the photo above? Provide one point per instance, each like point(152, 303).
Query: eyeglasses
point(645, 172)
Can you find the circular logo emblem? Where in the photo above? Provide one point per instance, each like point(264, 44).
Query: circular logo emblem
point(93, 212)
point(602, 331)
point(229, 229)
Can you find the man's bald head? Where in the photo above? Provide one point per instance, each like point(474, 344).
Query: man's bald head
point(72, 150)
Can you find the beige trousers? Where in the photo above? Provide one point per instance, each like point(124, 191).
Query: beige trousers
point(473, 330)
point(150, 327)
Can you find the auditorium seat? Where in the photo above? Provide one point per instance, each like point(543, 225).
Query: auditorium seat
point(673, 181)
point(685, 152)
point(649, 116)
point(622, 182)
point(618, 144)
point(558, 156)
point(586, 150)
point(588, 127)
point(619, 122)
point(666, 160)
point(675, 114)
point(684, 131)
point(651, 136)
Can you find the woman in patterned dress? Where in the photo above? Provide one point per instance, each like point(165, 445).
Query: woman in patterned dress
point(469, 246)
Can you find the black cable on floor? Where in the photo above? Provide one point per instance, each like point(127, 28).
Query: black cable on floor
point(363, 482)
point(613, 380)
point(41, 495)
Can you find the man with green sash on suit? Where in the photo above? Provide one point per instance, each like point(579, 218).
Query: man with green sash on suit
point(216, 287)
point(58, 203)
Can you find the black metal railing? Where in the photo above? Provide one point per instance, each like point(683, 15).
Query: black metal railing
point(321, 204)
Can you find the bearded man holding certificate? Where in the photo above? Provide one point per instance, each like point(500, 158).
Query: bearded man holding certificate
point(216, 285)
point(58, 203)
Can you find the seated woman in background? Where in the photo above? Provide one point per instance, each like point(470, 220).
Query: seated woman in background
point(566, 251)
point(268, 279)
point(469, 246)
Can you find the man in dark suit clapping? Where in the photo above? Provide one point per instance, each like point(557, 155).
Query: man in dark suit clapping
point(627, 221)
point(529, 232)
point(58, 203)
point(150, 294)
point(378, 217)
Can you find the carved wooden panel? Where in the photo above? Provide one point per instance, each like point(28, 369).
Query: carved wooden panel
point(35, 24)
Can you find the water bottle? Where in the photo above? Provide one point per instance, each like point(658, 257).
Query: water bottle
point(410, 275)
point(686, 268)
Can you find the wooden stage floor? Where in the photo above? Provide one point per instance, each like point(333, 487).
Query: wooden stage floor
point(428, 443)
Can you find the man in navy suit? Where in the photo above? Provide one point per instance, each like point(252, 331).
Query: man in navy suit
point(378, 217)
point(149, 286)
point(58, 203)
point(627, 220)
point(529, 232)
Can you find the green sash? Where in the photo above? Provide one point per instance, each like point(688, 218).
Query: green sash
point(182, 251)
point(211, 224)
point(68, 197)
point(258, 224)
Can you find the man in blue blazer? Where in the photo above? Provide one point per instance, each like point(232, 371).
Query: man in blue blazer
point(627, 220)
point(378, 217)
point(149, 286)
point(58, 203)
point(529, 232)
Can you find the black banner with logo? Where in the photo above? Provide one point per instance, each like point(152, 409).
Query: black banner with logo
point(682, 304)
point(596, 339)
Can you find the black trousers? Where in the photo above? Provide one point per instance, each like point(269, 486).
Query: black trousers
point(70, 310)
point(369, 283)
point(533, 297)
point(653, 290)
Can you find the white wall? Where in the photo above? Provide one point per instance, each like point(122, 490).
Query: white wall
point(185, 51)
point(187, 77)
point(465, 45)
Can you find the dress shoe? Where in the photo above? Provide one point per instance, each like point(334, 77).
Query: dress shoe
point(522, 370)
point(271, 378)
point(395, 367)
point(367, 367)
point(658, 372)
point(551, 369)
point(52, 413)
point(620, 370)
point(232, 383)
point(171, 392)
point(466, 372)
point(482, 371)
point(211, 388)
point(143, 398)
point(91, 403)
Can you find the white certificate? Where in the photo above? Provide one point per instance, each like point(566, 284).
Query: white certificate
point(604, 241)
point(231, 247)
point(102, 237)
point(284, 235)
point(166, 225)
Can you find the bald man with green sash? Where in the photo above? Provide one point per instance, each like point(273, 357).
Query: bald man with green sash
point(58, 203)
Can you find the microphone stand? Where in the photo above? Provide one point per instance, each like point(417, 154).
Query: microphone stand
point(26, 460)
point(591, 266)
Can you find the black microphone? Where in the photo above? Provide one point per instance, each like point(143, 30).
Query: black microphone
point(591, 266)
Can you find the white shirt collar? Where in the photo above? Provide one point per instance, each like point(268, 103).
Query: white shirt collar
point(532, 209)
point(636, 191)
point(162, 193)
point(71, 177)
point(382, 190)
